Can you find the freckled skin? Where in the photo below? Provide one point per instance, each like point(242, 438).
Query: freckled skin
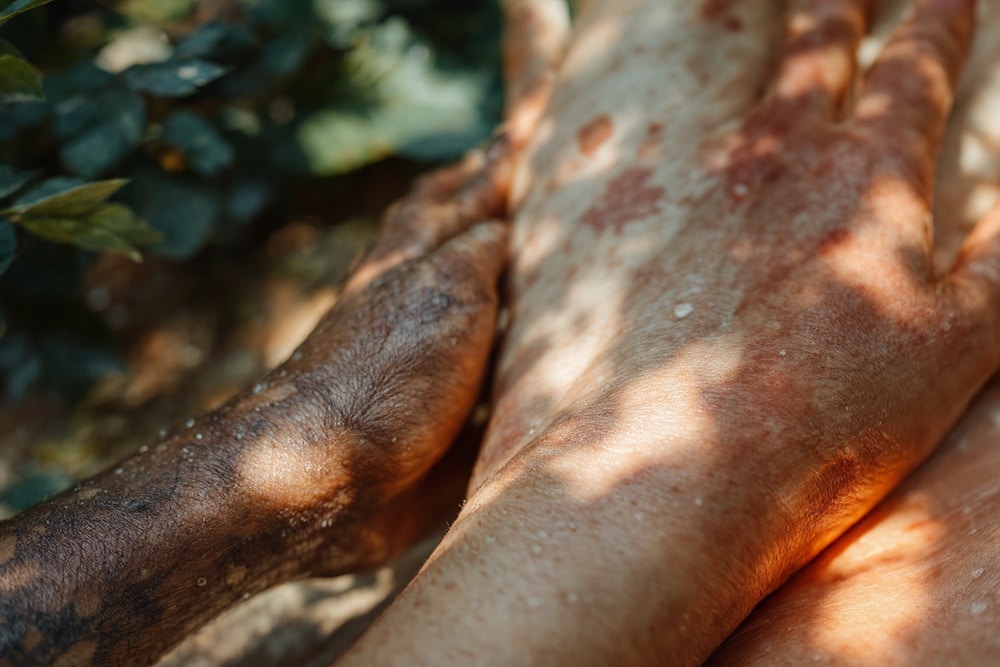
point(916, 581)
point(323, 468)
point(629, 197)
point(649, 479)
point(682, 467)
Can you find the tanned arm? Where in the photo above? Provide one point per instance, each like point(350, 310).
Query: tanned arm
point(321, 468)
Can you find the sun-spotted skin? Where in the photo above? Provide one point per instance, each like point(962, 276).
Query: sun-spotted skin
point(320, 468)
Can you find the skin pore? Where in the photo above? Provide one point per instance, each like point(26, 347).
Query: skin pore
point(916, 581)
point(323, 467)
point(723, 313)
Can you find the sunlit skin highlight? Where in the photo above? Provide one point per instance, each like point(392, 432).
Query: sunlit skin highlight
point(804, 223)
point(727, 343)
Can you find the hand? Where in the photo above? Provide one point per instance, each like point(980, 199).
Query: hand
point(727, 339)
point(395, 367)
point(317, 469)
point(781, 296)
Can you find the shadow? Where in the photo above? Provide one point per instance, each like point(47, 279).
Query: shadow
point(914, 580)
point(698, 345)
point(716, 359)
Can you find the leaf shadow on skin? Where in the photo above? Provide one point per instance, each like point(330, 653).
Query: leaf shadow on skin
point(686, 358)
point(914, 581)
point(732, 378)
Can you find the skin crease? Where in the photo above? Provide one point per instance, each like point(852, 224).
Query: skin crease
point(591, 469)
point(322, 468)
point(915, 582)
point(723, 319)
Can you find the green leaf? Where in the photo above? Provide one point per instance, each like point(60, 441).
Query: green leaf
point(173, 78)
point(108, 228)
point(18, 7)
point(99, 131)
point(286, 54)
point(216, 39)
point(19, 81)
point(73, 201)
point(121, 220)
point(8, 244)
point(11, 181)
point(185, 213)
point(203, 146)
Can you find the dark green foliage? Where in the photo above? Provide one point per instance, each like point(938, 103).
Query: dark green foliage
point(19, 81)
point(8, 244)
point(66, 210)
point(215, 134)
point(12, 9)
point(174, 78)
point(183, 209)
point(207, 152)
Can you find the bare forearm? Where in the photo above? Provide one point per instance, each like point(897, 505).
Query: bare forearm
point(123, 566)
point(601, 563)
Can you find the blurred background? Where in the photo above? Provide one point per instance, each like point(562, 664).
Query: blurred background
point(184, 183)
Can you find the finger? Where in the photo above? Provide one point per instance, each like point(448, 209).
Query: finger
point(973, 286)
point(906, 100)
point(817, 68)
point(414, 227)
point(536, 33)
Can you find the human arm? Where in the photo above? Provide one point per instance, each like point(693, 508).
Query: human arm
point(321, 468)
point(723, 317)
point(916, 580)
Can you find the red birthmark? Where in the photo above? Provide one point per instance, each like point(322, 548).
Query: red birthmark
point(593, 135)
point(627, 198)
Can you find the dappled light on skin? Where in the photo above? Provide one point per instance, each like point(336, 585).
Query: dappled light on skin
point(915, 582)
point(666, 424)
point(914, 58)
point(841, 628)
point(698, 479)
point(286, 465)
point(601, 170)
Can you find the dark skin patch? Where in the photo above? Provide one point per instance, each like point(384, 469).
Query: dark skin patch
point(833, 240)
point(732, 24)
point(627, 198)
point(594, 134)
point(715, 10)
